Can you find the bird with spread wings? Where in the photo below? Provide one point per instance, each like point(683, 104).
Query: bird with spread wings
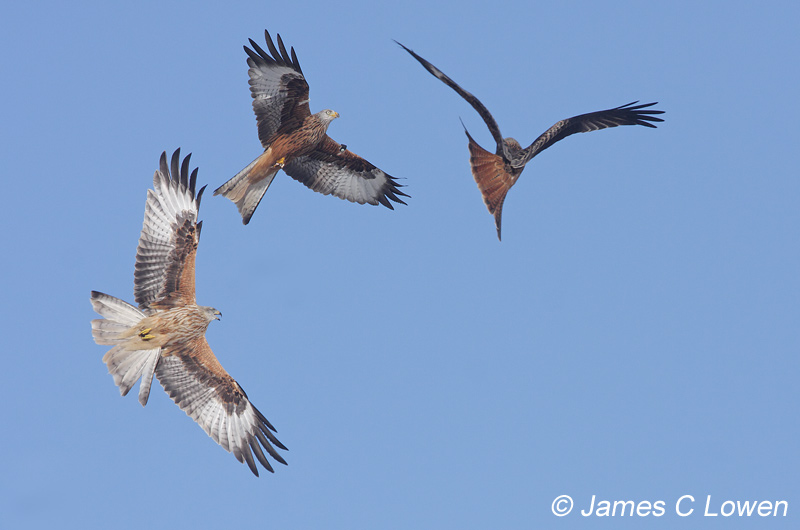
point(496, 172)
point(165, 336)
point(297, 142)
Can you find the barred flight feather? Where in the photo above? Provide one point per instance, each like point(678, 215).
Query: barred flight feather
point(165, 336)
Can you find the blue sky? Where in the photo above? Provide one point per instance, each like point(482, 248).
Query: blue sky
point(634, 337)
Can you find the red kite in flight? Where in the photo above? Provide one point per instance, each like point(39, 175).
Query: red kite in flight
point(495, 173)
point(296, 141)
point(165, 335)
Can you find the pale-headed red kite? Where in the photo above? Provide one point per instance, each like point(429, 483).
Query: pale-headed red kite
point(165, 335)
point(297, 142)
point(496, 172)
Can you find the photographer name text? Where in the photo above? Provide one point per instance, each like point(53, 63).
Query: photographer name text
point(684, 506)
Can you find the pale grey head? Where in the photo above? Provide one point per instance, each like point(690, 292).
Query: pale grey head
point(210, 313)
point(326, 116)
point(513, 146)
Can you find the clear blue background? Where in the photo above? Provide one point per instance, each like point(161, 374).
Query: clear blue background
point(634, 336)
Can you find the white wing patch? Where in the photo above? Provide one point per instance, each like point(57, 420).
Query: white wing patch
point(168, 204)
point(266, 84)
point(235, 424)
point(371, 187)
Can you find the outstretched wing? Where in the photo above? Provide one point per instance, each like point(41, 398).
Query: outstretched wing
point(333, 170)
point(279, 90)
point(197, 383)
point(165, 256)
point(630, 114)
point(472, 100)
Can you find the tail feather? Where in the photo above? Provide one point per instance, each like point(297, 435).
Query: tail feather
point(247, 188)
point(125, 365)
point(147, 376)
point(116, 310)
point(498, 214)
point(108, 333)
point(489, 172)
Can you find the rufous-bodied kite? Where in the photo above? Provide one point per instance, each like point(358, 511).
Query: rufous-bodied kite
point(297, 142)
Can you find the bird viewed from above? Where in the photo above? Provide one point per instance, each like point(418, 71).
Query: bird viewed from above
point(165, 336)
point(297, 142)
point(496, 173)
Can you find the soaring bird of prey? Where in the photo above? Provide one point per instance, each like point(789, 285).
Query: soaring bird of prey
point(496, 172)
point(165, 335)
point(297, 142)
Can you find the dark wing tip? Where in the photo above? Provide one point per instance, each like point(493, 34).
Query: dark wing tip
point(185, 178)
point(276, 55)
point(282, 49)
point(295, 62)
point(199, 193)
point(256, 447)
point(428, 66)
point(643, 113)
point(258, 54)
point(248, 457)
point(391, 192)
point(193, 180)
point(465, 128)
point(271, 45)
point(162, 164)
point(631, 113)
point(402, 46)
point(174, 165)
point(178, 171)
point(253, 55)
point(647, 116)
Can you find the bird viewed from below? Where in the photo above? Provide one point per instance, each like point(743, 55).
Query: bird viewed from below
point(297, 142)
point(496, 172)
point(165, 335)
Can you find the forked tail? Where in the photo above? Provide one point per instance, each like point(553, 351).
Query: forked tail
point(126, 365)
point(492, 179)
point(247, 187)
